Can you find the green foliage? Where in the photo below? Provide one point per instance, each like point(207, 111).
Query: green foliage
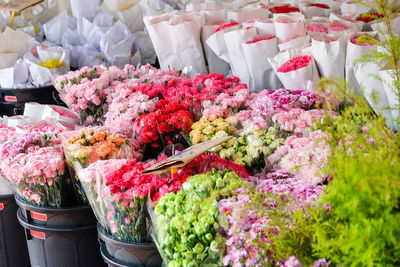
point(388, 54)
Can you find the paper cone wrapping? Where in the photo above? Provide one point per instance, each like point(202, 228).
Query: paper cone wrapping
point(185, 34)
point(367, 75)
point(158, 28)
point(355, 52)
point(330, 57)
point(215, 64)
point(299, 43)
point(313, 11)
point(287, 31)
point(216, 42)
point(265, 27)
point(353, 9)
point(391, 94)
point(261, 72)
point(303, 78)
point(245, 14)
point(214, 15)
point(84, 8)
point(233, 41)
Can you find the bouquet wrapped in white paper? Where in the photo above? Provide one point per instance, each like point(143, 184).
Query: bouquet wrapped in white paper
point(176, 40)
point(329, 52)
point(295, 68)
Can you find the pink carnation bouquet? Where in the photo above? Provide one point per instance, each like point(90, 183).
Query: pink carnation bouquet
point(34, 166)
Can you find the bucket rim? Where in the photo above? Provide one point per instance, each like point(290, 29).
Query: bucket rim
point(6, 196)
point(25, 205)
point(42, 228)
point(106, 237)
point(110, 259)
point(27, 88)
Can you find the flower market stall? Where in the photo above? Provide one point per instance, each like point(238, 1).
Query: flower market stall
point(264, 135)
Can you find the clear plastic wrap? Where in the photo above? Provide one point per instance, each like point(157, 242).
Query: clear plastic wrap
point(33, 165)
point(86, 146)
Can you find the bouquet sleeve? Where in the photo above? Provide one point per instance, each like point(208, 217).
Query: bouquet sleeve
point(261, 72)
point(355, 52)
point(289, 27)
point(185, 34)
point(330, 56)
point(294, 78)
point(215, 64)
point(233, 41)
point(373, 90)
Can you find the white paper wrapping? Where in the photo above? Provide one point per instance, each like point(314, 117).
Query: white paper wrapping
point(299, 42)
point(84, 8)
point(367, 75)
point(16, 76)
point(354, 52)
point(287, 31)
point(303, 78)
point(185, 34)
point(128, 11)
point(216, 42)
point(265, 27)
point(56, 27)
point(245, 14)
point(116, 44)
point(215, 64)
point(330, 57)
point(214, 15)
point(233, 41)
point(313, 11)
point(158, 28)
point(353, 9)
point(391, 94)
point(261, 72)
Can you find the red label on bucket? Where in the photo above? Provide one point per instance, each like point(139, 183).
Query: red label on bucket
point(1, 206)
point(9, 98)
point(39, 216)
point(38, 234)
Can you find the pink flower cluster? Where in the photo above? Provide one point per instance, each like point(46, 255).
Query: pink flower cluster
point(268, 103)
point(316, 28)
point(337, 27)
point(303, 157)
point(125, 108)
point(38, 165)
point(298, 120)
point(281, 184)
point(245, 232)
point(89, 91)
point(225, 104)
point(296, 63)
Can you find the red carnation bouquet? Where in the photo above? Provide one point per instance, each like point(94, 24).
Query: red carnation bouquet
point(118, 191)
point(165, 125)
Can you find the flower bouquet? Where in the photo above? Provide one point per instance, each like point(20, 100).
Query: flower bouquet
point(34, 166)
point(186, 227)
point(168, 124)
point(89, 145)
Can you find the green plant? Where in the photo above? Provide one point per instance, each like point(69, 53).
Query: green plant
point(387, 56)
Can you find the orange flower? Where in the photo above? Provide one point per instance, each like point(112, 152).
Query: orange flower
point(116, 140)
point(100, 136)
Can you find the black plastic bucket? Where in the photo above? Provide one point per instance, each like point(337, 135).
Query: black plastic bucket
point(13, 249)
point(12, 101)
point(56, 217)
point(61, 247)
point(118, 253)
